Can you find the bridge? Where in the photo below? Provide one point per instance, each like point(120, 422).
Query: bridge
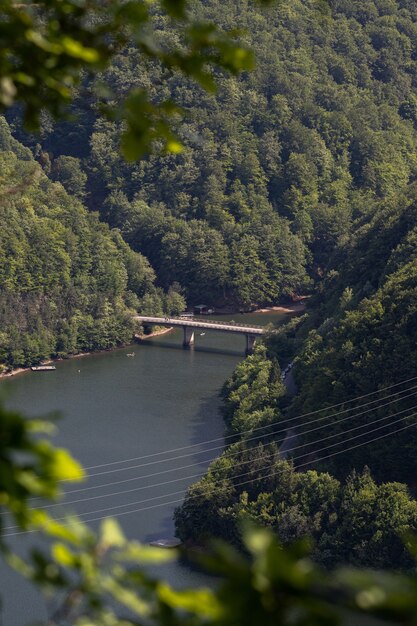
point(189, 327)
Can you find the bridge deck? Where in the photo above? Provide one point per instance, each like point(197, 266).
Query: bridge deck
point(241, 329)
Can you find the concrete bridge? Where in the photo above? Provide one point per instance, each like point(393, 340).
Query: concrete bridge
point(189, 327)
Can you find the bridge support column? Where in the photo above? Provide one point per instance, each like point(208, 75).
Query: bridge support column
point(188, 337)
point(250, 343)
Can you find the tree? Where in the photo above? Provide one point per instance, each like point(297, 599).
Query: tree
point(66, 280)
point(62, 40)
point(175, 302)
point(249, 273)
point(67, 170)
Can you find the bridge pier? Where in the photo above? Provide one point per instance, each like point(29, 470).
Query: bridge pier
point(188, 326)
point(188, 337)
point(250, 343)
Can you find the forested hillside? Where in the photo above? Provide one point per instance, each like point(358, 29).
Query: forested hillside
point(277, 165)
point(353, 519)
point(366, 332)
point(359, 336)
point(67, 282)
point(297, 177)
point(350, 84)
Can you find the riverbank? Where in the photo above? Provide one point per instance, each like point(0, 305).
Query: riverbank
point(296, 307)
point(293, 307)
point(118, 408)
point(23, 370)
point(156, 333)
point(15, 372)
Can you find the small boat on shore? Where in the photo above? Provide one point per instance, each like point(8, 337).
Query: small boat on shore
point(166, 543)
point(43, 368)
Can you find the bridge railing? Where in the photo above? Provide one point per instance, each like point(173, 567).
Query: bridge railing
point(200, 321)
point(217, 322)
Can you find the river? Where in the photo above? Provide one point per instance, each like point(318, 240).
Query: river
point(115, 410)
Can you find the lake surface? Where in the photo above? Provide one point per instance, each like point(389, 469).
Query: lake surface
point(115, 410)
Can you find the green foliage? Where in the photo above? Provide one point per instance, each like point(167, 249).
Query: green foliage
point(254, 387)
point(329, 128)
point(67, 283)
point(60, 41)
point(276, 166)
point(304, 164)
point(30, 466)
point(100, 579)
point(276, 586)
point(212, 265)
point(356, 522)
point(174, 301)
point(88, 570)
point(364, 338)
point(67, 170)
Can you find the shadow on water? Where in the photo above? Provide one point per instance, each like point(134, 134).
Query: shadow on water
point(195, 348)
point(209, 409)
point(165, 530)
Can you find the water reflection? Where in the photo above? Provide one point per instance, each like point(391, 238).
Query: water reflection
point(117, 408)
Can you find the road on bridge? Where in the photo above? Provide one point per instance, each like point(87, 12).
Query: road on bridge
point(185, 322)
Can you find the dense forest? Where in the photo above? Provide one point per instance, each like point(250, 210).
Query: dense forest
point(277, 167)
point(360, 330)
point(296, 178)
point(67, 282)
point(352, 518)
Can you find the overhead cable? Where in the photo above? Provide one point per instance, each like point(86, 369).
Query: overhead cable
point(237, 453)
point(246, 473)
point(122, 469)
point(96, 519)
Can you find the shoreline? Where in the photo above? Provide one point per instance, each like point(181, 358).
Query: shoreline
point(15, 372)
point(24, 370)
point(157, 333)
point(297, 307)
point(292, 307)
point(136, 339)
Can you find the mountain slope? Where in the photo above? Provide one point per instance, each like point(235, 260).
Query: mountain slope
point(67, 282)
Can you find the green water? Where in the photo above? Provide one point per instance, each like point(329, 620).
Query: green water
point(116, 408)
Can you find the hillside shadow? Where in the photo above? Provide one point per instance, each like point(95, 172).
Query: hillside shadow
point(195, 348)
point(202, 430)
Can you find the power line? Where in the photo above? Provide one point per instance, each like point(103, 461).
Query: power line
point(123, 469)
point(118, 482)
point(251, 460)
point(267, 456)
point(250, 430)
point(114, 494)
point(333, 406)
point(96, 519)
